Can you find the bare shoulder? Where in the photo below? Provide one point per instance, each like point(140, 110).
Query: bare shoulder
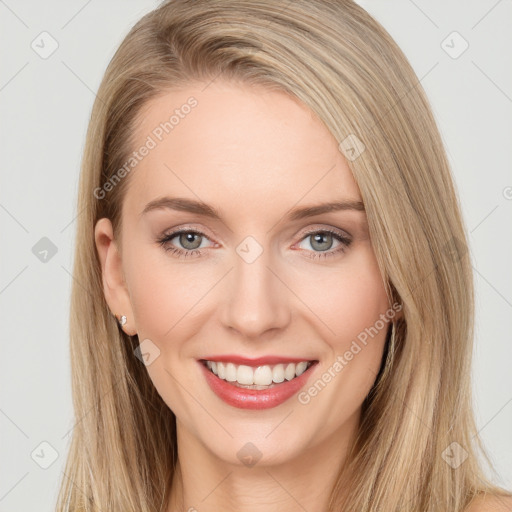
point(491, 503)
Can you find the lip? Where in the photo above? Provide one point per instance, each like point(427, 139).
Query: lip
point(244, 398)
point(258, 361)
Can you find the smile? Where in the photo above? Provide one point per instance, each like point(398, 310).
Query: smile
point(256, 387)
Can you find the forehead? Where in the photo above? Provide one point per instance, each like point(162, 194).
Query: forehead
point(239, 145)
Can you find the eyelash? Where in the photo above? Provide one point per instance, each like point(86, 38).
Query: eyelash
point(186, 253)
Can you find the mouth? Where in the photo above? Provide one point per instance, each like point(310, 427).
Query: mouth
point(256, 387)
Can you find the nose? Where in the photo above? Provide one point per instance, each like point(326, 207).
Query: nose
point(257, 299)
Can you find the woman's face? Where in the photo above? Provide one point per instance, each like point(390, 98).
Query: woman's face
point(257, 282)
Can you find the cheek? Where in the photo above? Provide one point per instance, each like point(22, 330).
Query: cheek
point(163, 292)
point(348, 300)
point(351, 306)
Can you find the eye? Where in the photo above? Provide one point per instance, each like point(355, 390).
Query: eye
point(322, 241)
point(189, 239)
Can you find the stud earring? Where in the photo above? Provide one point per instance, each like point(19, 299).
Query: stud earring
point(122, 320)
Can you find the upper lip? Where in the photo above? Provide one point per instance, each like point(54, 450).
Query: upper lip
point(258, 361)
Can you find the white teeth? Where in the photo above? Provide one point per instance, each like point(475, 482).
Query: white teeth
point(245, 375)
point(263, 376)
point(221, 371)
point(301, 368)
point(289, 372)
point(278, 373)
point(259, 376)
point(230, 372)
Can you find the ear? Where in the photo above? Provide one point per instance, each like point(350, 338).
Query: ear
point(114, 285)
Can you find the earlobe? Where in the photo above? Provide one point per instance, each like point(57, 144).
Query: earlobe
point(114, 286)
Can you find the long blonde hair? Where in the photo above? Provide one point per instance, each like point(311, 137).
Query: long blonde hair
point(335, 58)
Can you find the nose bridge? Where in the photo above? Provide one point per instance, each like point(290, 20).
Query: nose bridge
point(257, 300)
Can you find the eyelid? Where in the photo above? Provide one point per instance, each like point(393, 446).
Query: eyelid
point(322, 227)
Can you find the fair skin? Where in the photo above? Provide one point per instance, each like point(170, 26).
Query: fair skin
point(252, 154)
point(491, 504)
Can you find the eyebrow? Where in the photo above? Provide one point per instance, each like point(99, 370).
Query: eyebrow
point(198, 207)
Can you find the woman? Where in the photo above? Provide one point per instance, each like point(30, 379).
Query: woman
point(273, 304)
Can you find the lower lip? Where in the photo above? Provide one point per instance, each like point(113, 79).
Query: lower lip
point(244, 398)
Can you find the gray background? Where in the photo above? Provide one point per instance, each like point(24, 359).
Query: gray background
point(45, 105)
